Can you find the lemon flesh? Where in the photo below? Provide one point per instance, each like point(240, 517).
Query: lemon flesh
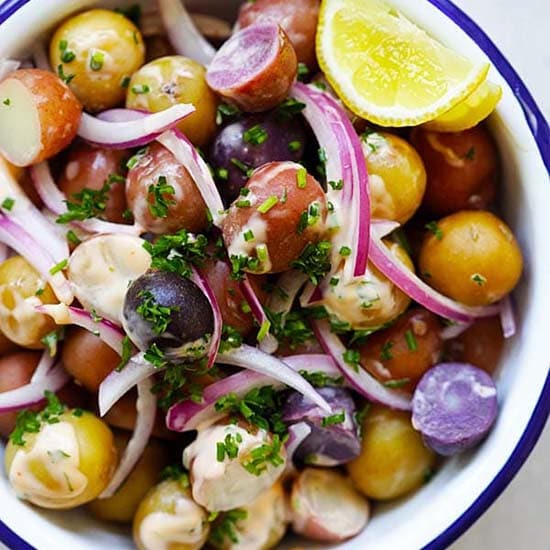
point(385, 68)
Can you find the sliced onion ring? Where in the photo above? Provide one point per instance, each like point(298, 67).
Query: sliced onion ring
point(507, 317)
point(146, 406)
point(201, 281)
point(134, 132)
point(256, 360)
point(183, 35)
point(33, 393)
point(44, 366)
point(359, 379)
point(417, 289)
point(296, 435)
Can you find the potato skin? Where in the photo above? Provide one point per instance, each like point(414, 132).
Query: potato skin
point(278, 228)
point(89, 167)
point(397, 178)
point(189, 210)
point(269, 86)
point(462, 169)
point(87, 358)
point(474, 258)
point(111, 35)
point(389, 355)
point(58, 109)
point(298, 18)
point(394, 461)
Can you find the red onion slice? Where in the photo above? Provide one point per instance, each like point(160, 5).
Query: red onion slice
point(346, 162)
point(7, 66)
point(55, 201)
point(256, 360)
point(201, 281)
point(418, 290)
point(454, 330)
point(296, 435)
point(185, 153)
point(507, 317)
point(267, 342)
point(44, 366)
point(314, 362)
point(106, 330)
point(189, 415)
point(33, 393)
point(14, 236)
point(146, 406)
point(286, 289)
point(131, 133)
point(183, 35)
point(359, 379)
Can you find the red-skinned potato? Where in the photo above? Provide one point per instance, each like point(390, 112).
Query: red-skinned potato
point(39, 116)
point(233, 305)
point(89, 167)
point(298, 18)
point(401, 354)
point(255, 68)
point(326, 507)
point(162, 194)
point(462, 169)
point(281, 209)
point(87, 358)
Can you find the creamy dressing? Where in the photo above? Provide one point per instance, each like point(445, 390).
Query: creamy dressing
point(102, 268)
point(161, 530)
point(240, 247)
point(383, 205)
point(55, 455)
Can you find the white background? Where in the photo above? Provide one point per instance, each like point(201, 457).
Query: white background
point(520, 519)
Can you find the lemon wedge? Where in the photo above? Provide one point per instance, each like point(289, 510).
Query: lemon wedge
point(469, 112)
point(388, 70)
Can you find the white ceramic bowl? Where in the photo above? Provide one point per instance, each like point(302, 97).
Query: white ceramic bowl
point(466, 485)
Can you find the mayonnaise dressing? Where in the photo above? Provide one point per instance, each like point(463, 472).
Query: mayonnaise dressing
point(56, 455)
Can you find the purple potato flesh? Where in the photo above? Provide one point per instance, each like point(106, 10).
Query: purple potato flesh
point(454, 407)
point(328, 444)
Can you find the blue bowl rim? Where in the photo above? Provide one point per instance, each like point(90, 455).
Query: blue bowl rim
point(541, 132)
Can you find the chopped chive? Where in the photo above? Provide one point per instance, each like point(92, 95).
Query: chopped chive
point(337, 185)
point(248, 235)
point(470, 154)
point(245, 191)
point(337, 418)
point(264, 329)
point(7, 203)
point(479, 279)
point(245, 307)
point(435, 230)
point(242, 203)
point(244, 168)
point(334, 281)
point(255, 135)
point(268, 204)
point(140, 89)
point(386, 354)
point(125, 82)
point(222, 174)
point(301, 178)
point(412, 344)
point(344, 251)
point(294, 146)
point(262, 253)
point(7, 101)
point(59, 267)
point(397, 383)
point(72, 237)
point(96, 61)
point(303, 72)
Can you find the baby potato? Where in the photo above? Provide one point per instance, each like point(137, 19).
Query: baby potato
point(169, 518)
point(65, 464)
point(233, 305)
point(326, 507)
point(123, 505)
point(472, 257)
point(16, 370)
point(401, 354)
point(87, 359)
point(102, 268)
point(462, 169)
point(90, 167)
point(21, 289)
point(397, 178)
point(393, 460)
point(298, 18)
point(39, 116)
point(281, 209)
point(162, 194)
point(172, 80)
point(480, 345)
point(97, 51)
point(370, 301)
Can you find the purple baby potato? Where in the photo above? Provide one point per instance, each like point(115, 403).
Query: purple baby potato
point(454, 407)
point(331, 442)
point(250, 142)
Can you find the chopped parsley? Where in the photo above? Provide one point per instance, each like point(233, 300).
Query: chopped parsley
point(134, 160)
point(435, 230)
point(320, 379)
point(65, 77)
point(410, 338)
point(224, 526)
point(157, 315)
point(470, 154)
point(292, 328)
point(479, 279)
point(52, 339)
point(333, 419)
point(255, 135)
point(337, 185)
point(160, 196)
point(176, 253)
point(66, 55)
point(231, 339)
point(314, 261)
point(352, 358)
point(127, 351)
point(397, 383)
point(7, 204)
point(239, 263)
point(385, 353)
point(321, 167)
point(155, 356)
point(225, 110)
point(344, 251)
point(125, 82)
point(96, 61)
point(7, 102)
point(303, 72)
point(289, 108)
point(175, 472)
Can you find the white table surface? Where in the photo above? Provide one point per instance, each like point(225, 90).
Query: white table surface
point(520, 519)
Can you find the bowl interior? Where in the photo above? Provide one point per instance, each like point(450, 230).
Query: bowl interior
point(417, 520)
